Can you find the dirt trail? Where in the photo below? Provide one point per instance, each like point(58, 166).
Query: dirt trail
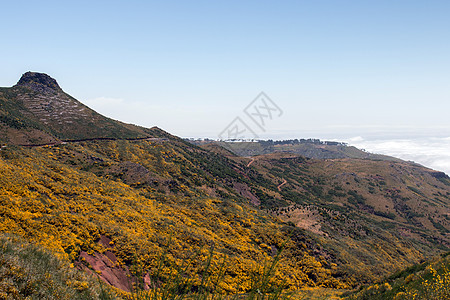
point(96, 139)
point(250, 163)
point(283, 183)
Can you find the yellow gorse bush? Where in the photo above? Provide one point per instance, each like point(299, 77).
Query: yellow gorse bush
point(65, 197)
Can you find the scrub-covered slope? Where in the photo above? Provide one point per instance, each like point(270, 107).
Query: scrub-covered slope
point(37, 111)
point(113, 199)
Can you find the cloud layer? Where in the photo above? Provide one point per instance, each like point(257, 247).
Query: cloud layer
point(431, 152)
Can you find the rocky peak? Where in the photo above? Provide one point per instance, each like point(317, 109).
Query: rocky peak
point(44, 99)
point(38, 82)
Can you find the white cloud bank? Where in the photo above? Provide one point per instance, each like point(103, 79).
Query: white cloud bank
point(431, 152)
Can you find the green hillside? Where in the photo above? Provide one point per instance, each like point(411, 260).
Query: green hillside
point(311, 148)
point(429, 280)
point(37, 111)
point(30, 272)
point(114, 199)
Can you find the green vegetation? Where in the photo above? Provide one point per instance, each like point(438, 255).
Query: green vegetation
point(141, 193)
point(181, 282)
point(130, 204)
point(311, 148)
point(429, 280)
point(68, 206)
point(30, 272)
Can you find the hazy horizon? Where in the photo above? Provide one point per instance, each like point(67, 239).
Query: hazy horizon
point(337, 70)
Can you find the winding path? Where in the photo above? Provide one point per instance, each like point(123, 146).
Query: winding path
point(250, 163)
point(283, 183)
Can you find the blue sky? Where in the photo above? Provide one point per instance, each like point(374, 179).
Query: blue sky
point(337, 69)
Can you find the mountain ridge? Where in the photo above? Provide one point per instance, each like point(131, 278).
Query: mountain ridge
point(38, 111)
point(311, 148)
point(341, 221)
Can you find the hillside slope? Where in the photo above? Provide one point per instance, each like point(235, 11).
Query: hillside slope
point(429, 280)
point(28, 271)
point(311, 148)
point(144, 198)
point(114, 198)
point(371, 216)
point(37, 111)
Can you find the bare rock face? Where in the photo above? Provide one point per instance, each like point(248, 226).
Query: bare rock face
point(39, 82)
point(106, 267)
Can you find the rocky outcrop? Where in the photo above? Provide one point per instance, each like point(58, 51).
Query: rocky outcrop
point(106, 267)
point(39, 82)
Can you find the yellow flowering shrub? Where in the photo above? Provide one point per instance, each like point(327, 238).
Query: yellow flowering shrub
point(67, 196)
